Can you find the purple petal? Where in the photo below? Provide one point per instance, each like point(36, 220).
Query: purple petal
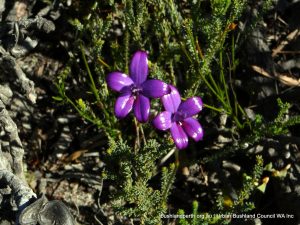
point(193, 128)
point(141, 108)
point(191, 107)
point(139, 67)
point(163, 120)
point(117, 81)
point(179, 136)
point(172, 100)
point(155, 88)
point(124, 105)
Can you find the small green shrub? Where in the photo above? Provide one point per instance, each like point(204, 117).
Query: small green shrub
point(187, 43)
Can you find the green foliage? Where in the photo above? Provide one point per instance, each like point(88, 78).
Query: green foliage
point(188, 36)
point(249, 185)
point(279, 126)
point(177, 35)
point(260, 130)
point(132, 172)
point(220, 7)
point(225, 205)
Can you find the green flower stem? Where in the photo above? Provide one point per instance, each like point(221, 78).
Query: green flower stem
point(199, 50)
point(93, 85)
point(185, 52)
point(142, 133)
point(213, 108)
point(137, 143)
point(104, 63)
point(177, 158)
point(86, 117)
point(172, 75)
point(126, 52)
point(214, 91)
point(223, 80)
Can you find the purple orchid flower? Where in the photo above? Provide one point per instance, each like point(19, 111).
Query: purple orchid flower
point(136, 89)
point(178, 117)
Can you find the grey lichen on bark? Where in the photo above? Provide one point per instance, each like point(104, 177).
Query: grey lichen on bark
point(11, 173)
point(15, 148)
point(9, 66)
point(5, 94)
point(11, 157)
point(21, 192)
point(16, 40)
point(46, 212)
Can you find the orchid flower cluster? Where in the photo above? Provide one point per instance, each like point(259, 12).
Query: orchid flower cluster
point(135, 91)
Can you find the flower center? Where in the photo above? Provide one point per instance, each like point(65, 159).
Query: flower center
point(135, 90)
point(178, 116)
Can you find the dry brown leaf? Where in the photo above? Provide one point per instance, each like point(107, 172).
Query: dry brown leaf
point(285, 79)
point(75, 155)
point(289, 38)
point(185, 171)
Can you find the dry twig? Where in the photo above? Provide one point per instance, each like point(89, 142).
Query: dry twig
point(292, 36)
point(285, 79)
